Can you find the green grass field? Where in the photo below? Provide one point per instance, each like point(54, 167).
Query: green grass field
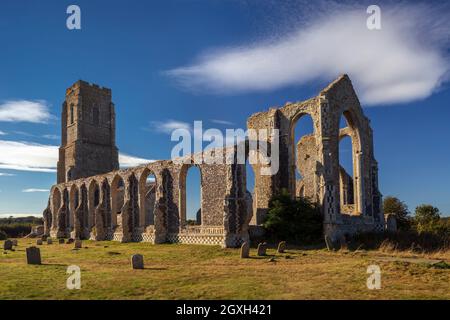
point(209, 272)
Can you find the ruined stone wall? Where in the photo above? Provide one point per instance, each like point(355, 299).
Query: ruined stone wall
point(92, 205)
point(319, 159)
point(223, 207)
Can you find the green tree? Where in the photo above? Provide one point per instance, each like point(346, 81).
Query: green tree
point(297, 220)
point(399, 209)
point(427, 218)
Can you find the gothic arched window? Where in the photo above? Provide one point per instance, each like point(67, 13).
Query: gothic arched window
point(71, 114)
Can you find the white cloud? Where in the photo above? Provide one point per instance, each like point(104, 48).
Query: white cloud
point(127, 161)
point(169, 126)
point(51, 136)
point(406, 60)
point(3, 174)
point(31, 190)
point(25, 111)
point(3, 133)
point(27, 156)
point(224, 122)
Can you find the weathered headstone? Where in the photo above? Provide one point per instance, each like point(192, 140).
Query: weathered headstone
point(61, 241)
point(49, 241)
point(262, 248)
point(245, 250)
point(33, 255)
point(15, 242)
point(78, 244)
point(39, 242)
point(137, 261)
point(44, 238)
point(329, 243)
point(69, 241)
point(7, 245)
point(281, 247)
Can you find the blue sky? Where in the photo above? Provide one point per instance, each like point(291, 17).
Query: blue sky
point(169, 63)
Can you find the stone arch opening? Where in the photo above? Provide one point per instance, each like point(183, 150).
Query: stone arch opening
point(74, 202)
point(93, 202)
point(56, 204)
point(117, 199)
point(349, 153)
point(133, 197)
point(106, 200)
point(303, 156)
point(66, 201)
point(190, 195)
point(147, 197)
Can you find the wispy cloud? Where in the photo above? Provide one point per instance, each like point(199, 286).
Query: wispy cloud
point(3, 133)
point(27, 156)
point(51, 136)
point(31, 190)
point(25, 111)
point(169, 126)
point(406, 60)
point(224, 122)
point(127, 161)
point(3, 174)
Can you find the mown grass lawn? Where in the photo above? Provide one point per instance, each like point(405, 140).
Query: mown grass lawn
point(210, 272)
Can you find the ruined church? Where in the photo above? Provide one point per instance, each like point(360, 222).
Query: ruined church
point(94, 199)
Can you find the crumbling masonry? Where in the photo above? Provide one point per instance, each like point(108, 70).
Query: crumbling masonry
point(94, 200)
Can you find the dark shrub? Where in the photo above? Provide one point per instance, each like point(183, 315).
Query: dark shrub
point(295, 220)
point(3, 235)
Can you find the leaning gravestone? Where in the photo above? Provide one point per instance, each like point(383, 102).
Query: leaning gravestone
point(281, 247)
point(33, 255)
point(15, 243)
point(329, 243)
point(61, 241)
point(137, 261)
point(7, 245)
point(262, 247)
point(39, 242)
point(49, 241)
point(245, 250)
point(78, 244)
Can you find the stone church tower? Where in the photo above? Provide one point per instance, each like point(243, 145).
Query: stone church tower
point(88, 145)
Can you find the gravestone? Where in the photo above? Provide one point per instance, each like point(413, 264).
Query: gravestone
point(245, 250)
point(61, 241)
point(49, 241)
point(281, 247)
point(343, 243)
point(39, 242)
point(137, 261)
point(329, 243)
point(262, 248)
point(7, 245)
point(15, 242)
point(78, 244)
point(33, 255)
point(44, 238)
point(69, 241)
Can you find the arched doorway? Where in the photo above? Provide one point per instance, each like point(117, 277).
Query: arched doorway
point(147, 197)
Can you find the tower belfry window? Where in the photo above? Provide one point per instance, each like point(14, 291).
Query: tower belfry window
point(71, 114)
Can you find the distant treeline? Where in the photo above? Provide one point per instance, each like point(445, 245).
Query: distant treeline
point(12, 227)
